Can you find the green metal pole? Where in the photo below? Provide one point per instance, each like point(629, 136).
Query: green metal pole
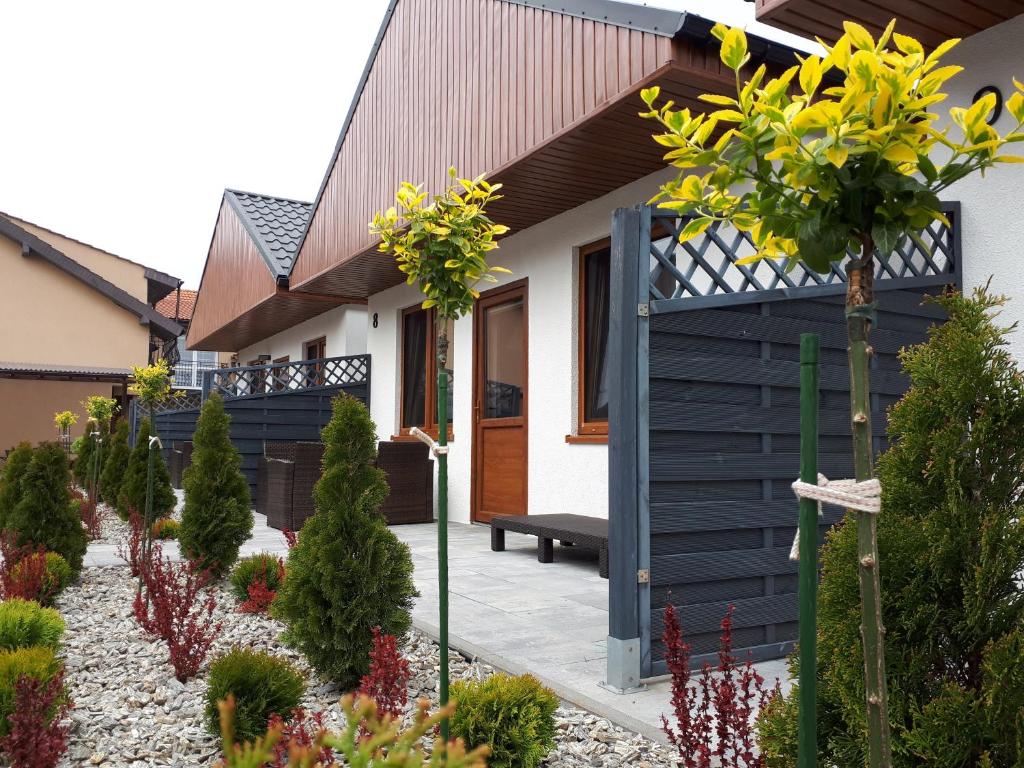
point(808, 579)
point(442, 522)
point(97, 461)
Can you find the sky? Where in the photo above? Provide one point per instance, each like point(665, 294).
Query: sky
point(123, 122)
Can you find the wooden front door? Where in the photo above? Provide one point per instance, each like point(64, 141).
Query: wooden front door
point(499, 403)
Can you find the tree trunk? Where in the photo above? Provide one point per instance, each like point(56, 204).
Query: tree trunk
point(442, 511)
point(860, 294)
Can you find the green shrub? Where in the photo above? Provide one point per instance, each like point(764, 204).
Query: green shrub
point(115, 464)
point(36, 662)
point(166, 529)
point(348, 573)
point(76, 445)
point(515, 716)
point(262, 685)
point(24, 623)
point(46, 515)
point(263, 565)
point(951, 545)
point(133, 485)
point(82, 467)
point(217, 519)
point(11, 480)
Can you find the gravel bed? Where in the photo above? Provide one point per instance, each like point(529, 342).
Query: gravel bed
point(131, 712)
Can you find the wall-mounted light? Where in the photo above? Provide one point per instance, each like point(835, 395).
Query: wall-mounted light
point(999, 101)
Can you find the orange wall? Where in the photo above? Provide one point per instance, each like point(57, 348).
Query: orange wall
point(27, 408)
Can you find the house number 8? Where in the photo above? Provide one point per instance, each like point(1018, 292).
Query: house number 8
point(374, 319)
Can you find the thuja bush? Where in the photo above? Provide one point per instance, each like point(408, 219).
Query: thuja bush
point(952, 544)
point(348, 573)
point(387, 682)
point(261, 684)
point(37, 663)
point(82, 467)
point(166, 529)
point(38, 736)
point(46, 515)
point(388, 745)
point(715, 713)
point(10, 480)
point(217, 519)
point(115, 464)
point(133, 485)
point(24, 623)
point(515, 716)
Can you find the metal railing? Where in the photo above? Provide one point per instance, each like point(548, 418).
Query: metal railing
point(188, 374)
point(250, 380)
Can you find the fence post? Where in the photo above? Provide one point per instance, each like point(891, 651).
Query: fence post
point(624, 646)
point(207, 384)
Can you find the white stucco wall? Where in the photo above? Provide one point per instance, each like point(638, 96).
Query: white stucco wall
point(992, 207)
point(563, 477)
point(344, 327)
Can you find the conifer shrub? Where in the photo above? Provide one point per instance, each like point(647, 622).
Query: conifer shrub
point(263, 566)
point(514, 716)
point(951, 544)
point(46, 515)
point(82, 466)
point(166, 529)
point(10, 480)
point(133, 484)
point(348, 573)
point(217, 518)
point(115, 463)
point(36, 662)
point(262, 685)
point(24, 623)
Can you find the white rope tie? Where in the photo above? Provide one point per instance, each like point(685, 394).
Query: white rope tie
point(423, 437)
point(863, 495)
point(155, 439)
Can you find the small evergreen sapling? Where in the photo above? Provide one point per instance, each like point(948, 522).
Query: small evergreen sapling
point(83, 457)
point(11, 479)
point(133, 487)
point(115, 464)
point(46, 516)
point(217, 519)
point(348, 573)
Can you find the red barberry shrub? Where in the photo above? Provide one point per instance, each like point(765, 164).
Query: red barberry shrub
point(92, 517)
point(23, 572)
point(131, 551)
point(388, 680)
point(300, 732)
point(260, 597)
point(291, 538)
point(37, 736)
point(175, 605)
point(714, 718)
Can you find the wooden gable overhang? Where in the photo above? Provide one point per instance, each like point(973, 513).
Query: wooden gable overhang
point(930, 21)
point(543, 101)
point(242, 298)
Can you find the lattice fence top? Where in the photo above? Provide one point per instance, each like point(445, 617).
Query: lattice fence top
point(706, 267)
point(189, 398)
point(290, 377)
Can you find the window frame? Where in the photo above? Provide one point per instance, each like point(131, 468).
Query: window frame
point(586, 430)
point(430, 374)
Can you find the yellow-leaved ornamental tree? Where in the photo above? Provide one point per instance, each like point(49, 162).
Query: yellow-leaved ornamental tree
point(835, 153)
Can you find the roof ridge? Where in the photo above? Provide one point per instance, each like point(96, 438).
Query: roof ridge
point(276, 236)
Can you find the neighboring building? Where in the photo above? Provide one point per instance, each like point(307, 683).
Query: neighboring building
point(189, 365)
point(76, 319)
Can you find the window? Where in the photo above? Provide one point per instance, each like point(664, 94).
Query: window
point(279, 381)
point(256, 381)
point(419, 370)
point(315, 350)
point(594, 306)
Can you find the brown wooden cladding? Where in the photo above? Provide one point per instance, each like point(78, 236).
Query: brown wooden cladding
point(470, 83)
point(930, 21)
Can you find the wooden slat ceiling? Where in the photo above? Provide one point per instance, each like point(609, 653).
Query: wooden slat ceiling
point(930, 21)
point(281, 310)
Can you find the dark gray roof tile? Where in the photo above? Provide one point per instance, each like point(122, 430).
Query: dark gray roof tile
point(276, 225)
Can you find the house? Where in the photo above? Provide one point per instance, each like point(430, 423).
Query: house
point(690, 357)
point(189, 365)
point(76, 319)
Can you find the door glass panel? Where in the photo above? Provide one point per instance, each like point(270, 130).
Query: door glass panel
point(504, 366)
point(414, 368)
point(449, 367)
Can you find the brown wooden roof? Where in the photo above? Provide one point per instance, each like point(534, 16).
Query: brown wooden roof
point(544, 101)
point(930, 21)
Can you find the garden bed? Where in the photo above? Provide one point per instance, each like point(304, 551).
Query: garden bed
point(130, 711)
